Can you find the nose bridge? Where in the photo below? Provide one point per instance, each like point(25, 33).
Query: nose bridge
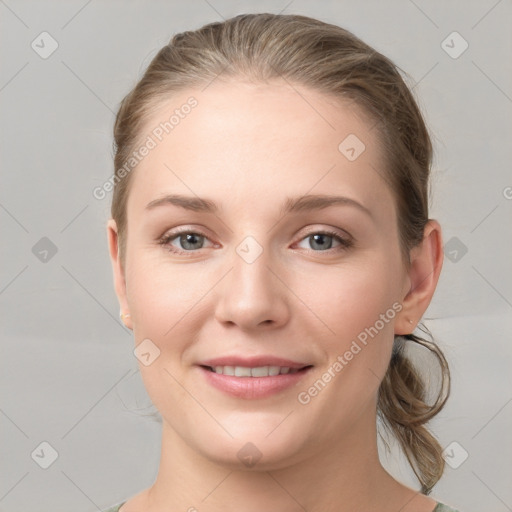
point(251, 294)
point(251, 266)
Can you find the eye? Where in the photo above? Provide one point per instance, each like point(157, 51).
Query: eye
point(321, 241)
point(183, 241)
point(187, 241)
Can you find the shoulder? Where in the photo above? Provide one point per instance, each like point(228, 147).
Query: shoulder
point(441, 507)
point(118, 506)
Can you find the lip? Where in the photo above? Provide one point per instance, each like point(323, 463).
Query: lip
point(252, 388)
point(253, 362)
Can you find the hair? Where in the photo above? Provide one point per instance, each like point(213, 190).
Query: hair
point(331, 60)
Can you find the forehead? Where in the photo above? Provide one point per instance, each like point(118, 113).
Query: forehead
point(253, 144)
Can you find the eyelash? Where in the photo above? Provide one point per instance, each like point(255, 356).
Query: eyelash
point(165, 240)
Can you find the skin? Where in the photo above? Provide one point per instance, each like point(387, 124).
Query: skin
point(247, 147)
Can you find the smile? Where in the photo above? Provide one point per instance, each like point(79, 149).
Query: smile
point(258, 371)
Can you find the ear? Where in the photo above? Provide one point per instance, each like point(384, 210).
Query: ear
point(423, 275)
point(119, 275)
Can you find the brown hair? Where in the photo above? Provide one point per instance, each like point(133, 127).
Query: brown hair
point(331, 60)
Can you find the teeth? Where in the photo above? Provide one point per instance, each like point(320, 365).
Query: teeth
point(241, 371)
point(226, 370)
point(260, 371)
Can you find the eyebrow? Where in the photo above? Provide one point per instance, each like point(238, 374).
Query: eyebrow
point(291, 205)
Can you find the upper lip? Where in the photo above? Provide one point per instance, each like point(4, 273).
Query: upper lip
point(253, 362)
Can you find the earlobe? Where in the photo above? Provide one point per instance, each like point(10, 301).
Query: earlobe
point(424, 271)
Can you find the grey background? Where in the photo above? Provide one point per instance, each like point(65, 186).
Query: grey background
point(68, 374)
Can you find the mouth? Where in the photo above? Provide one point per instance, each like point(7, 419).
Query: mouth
point(257, 371)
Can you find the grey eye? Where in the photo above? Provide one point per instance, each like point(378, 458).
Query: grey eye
point(191, 241)
point(319, 242)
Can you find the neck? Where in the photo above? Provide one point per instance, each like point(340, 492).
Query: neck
point(340, 477)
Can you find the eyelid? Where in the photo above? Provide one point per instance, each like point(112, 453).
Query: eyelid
point(318, 228)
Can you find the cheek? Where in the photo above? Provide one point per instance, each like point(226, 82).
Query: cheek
point(349, 298)
point(164, 308)
point(160, 293)
point(169, 306)
point(356, 305)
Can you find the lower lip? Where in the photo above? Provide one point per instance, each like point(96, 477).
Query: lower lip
point(251, 388)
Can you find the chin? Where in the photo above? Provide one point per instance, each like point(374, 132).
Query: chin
point(254, 448)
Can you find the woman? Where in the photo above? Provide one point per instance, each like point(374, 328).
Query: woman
point(272, 253)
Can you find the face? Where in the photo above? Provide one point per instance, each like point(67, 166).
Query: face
point(266, 265)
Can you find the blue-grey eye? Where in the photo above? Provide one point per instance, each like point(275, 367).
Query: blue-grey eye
point(191, 241)
point(320, 241)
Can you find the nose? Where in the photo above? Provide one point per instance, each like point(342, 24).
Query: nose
point(253, 295)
